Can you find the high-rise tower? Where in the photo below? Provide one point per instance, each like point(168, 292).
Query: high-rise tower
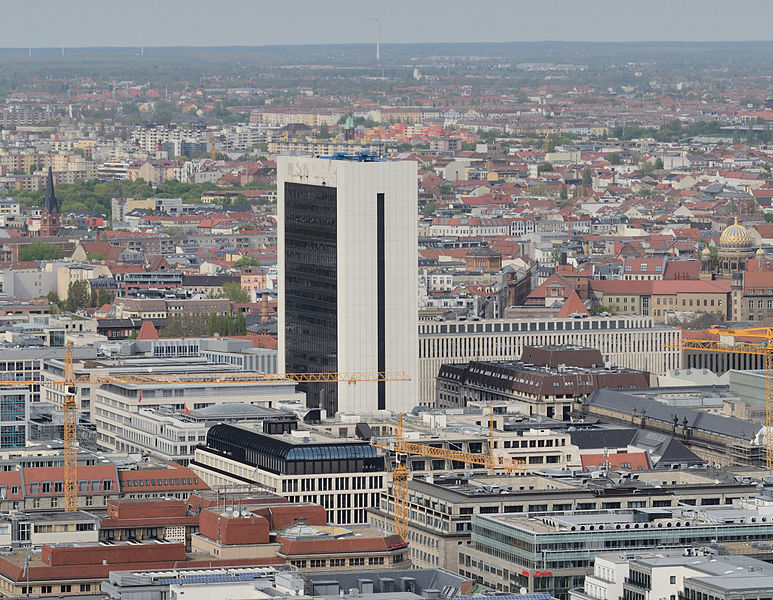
point(49, 215)
point(347, 257)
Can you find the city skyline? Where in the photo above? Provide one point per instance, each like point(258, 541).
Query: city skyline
point(88, 24)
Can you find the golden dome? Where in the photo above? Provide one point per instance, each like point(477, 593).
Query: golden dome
point(736, 237)
point(706, 251)
point(760, 253)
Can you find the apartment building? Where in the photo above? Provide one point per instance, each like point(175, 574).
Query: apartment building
point(628, 342)
point(657, 298)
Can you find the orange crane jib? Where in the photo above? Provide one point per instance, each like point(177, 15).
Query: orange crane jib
point(71, 382)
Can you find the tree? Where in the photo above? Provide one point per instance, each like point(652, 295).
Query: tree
point(587, 178)
point(96, 256)
point(186, 325)
point(235, 292)
point(750, 134)
point(556, 255)
point(246, 261)
point(101, 297)
point(646, 167)
point(429, 208)
point(214, 324)
point(229, 325)
point(40, 251)
point(445, 190)
point(78, 295)
point(658, 163)
point(564, 193)
point(241, 324)
point(545, 167)
point(53, 297)
point(769, 217)
point(736, 137)
point(614, 158)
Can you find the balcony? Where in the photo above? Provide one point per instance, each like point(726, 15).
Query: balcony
point(637, 584)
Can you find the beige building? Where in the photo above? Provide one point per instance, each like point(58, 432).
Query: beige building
point(630, 342)
point(441, 509)
point(344, 476)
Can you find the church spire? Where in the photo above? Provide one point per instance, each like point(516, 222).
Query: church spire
point(50, 203)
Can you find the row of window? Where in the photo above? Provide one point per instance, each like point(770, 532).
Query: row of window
point(57, 487)
point(160, 482)
point(49, 589)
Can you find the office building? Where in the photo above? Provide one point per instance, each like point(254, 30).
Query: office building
point(115, 408)
point(548, 381)
point(670, 574)
point(344, 476)
point(14, 416)
point(552, 552)
point(442, 507)
point(347, 259)
point(282, 582)
point(627, 342)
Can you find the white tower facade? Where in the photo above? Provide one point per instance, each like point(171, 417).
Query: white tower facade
point(347, 258)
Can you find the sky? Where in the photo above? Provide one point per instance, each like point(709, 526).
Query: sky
point(81, 23)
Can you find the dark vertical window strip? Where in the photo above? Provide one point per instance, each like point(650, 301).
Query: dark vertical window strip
point(381, 294)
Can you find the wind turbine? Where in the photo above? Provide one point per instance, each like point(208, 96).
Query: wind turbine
point(377, 20)
point(29, 37)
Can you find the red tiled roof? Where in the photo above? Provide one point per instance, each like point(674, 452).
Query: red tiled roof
point(156, 480)
point(147, 331)
point(572, 305)
point(51, 474)
point(634, 461)
point(349, 545)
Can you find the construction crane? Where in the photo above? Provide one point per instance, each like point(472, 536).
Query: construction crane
point(400, 475)
point(764, 349)
point(70, 383)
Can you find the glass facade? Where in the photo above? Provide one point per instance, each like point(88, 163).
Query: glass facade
point(311, 292)
point(13, 428)
point(551, 556)
point(277, 456)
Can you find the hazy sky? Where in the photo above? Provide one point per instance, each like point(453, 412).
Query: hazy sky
point(258, 22)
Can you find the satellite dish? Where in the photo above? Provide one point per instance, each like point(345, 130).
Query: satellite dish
point(522, 591)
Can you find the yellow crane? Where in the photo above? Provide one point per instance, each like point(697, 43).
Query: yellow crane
point(764, 348)
point(403, 448)
point(71, 382)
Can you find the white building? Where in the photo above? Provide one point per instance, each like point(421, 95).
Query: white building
point(347, 258)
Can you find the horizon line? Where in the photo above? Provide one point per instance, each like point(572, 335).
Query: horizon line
point(388, 44)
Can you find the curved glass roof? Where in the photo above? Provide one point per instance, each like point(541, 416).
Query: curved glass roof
point(278, 448)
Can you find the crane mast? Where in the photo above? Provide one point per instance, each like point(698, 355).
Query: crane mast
point(70, 384)
point(402, 449)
